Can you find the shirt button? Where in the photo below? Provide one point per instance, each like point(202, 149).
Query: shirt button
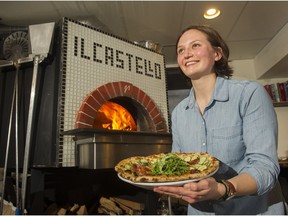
point(203, 144)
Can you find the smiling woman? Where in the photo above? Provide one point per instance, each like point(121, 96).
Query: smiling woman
point(233, 120)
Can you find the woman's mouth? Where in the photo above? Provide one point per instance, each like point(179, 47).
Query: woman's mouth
point(191, 63)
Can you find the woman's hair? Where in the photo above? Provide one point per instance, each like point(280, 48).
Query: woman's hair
point(221, 67)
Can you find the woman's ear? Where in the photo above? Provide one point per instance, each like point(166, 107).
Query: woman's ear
point(218, 53)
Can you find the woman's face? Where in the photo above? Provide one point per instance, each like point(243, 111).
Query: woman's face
point(195, 55)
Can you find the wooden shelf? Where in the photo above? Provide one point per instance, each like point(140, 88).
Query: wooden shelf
point(280, 104)
point(283, 163)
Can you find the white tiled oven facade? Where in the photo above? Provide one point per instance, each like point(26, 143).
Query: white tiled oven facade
point(97, 66)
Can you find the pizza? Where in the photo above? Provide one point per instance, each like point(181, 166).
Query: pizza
point(166, 167)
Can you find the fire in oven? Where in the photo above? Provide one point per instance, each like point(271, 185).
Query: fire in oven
point(113, 116)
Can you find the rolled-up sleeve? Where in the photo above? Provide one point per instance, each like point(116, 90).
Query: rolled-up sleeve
point(260, 135)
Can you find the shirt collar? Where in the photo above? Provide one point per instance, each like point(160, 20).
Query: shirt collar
point(220, 92)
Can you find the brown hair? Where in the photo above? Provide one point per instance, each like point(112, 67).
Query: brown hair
point(222, 66)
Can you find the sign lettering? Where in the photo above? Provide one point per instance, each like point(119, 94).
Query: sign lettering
point(104, 54)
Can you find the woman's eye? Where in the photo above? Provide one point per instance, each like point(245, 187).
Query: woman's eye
point(195, 45)
point(180, 51)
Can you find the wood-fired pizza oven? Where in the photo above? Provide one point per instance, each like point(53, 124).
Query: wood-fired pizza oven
point(98, 69)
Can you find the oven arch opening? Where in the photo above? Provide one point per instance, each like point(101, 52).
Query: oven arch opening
point(138, 113)
point(152, 118)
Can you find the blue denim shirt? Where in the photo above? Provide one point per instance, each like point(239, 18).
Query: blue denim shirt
point(238, 127)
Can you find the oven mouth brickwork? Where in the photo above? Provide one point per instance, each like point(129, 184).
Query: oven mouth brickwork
point(149, 112)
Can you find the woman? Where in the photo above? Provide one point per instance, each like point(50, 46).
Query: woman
point(232, 120)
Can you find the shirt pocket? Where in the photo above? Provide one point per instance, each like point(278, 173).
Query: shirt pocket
point(227, 144)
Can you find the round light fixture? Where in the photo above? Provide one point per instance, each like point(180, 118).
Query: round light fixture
point(211, 13)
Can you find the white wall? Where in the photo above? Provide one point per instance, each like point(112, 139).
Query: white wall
point(243, 69)
point(282, 116)
point(272, 53)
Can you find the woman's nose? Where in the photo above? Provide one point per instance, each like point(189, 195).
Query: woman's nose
point(188, 53)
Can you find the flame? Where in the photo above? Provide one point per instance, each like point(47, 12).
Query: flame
point(113, 116)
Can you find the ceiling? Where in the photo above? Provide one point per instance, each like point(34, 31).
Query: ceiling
point(247, 26)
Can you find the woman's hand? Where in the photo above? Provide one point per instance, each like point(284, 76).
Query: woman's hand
point(205, 189)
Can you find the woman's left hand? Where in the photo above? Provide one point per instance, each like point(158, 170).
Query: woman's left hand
point(205, 189)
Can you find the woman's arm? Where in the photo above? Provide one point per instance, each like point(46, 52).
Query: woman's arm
point(210, 189)
point(244, 184)
point(260, 135)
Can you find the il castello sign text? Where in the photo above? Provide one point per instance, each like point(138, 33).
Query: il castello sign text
point(118, 57)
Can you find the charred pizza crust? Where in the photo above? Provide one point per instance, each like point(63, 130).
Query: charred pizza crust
point(140, 168)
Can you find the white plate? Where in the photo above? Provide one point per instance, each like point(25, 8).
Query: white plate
point(151, 185)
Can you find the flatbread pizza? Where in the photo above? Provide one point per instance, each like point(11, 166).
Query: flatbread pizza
point(167, 167)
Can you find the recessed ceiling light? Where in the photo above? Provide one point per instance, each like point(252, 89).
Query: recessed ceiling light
point(212, 13)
